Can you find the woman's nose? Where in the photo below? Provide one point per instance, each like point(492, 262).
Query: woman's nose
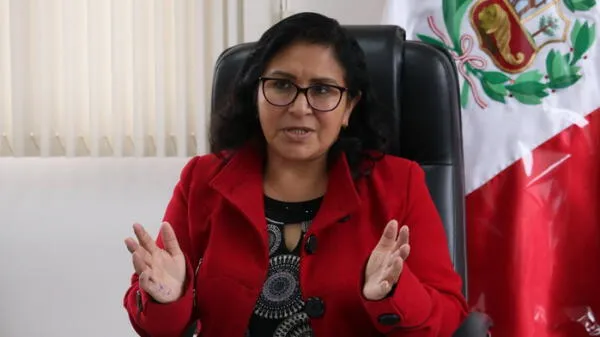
point(300, 105)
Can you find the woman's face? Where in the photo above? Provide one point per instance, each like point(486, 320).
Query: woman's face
point(301, 131)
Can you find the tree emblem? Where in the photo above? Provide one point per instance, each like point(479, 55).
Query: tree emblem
point(513, 33)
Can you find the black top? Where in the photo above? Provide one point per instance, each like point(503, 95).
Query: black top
point(279, 308)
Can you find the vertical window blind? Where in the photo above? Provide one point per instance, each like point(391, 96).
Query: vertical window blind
point(110, 78)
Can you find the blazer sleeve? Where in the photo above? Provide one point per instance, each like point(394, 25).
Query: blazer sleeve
point(427, 300)
point(151, 318)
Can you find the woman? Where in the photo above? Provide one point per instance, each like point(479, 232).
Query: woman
point(291, 227)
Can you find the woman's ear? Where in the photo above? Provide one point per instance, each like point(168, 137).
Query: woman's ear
point(351, 104)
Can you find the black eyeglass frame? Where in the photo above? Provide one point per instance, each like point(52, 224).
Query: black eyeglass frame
point(299, 89)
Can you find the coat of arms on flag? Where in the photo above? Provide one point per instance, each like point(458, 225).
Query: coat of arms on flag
point(513, 34)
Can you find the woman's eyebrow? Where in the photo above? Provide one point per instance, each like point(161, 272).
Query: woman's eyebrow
point(286, 75)
point(324, 80)
point(282, 74)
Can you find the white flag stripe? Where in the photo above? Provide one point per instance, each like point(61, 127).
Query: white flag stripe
point(495, 135)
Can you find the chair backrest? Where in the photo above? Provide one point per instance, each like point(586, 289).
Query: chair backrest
point(418, 84)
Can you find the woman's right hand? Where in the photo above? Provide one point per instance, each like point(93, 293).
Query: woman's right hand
point(161, 271)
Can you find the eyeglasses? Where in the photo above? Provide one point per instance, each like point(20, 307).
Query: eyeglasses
point(283, 92)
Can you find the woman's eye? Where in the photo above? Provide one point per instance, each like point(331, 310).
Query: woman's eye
point(282, 84)
point(321, 89)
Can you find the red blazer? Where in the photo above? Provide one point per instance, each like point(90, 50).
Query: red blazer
point(217, 214)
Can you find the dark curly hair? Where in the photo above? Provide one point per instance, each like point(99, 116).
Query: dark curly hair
point(236, 122)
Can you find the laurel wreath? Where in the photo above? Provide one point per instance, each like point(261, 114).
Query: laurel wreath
point(562, 69)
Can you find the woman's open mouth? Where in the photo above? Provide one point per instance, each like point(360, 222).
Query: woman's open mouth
point(298, 133)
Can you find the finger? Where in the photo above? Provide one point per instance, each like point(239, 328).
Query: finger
point(404, 251)
point(391, 258)
point(388, 238)
point(386, 287)
point(141, 261)
point(170, 239)
point(403, 236)
point(131, 245)
point(144, 238)
point(395, 270)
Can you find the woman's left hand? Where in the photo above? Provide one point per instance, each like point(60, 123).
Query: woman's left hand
point(386, 261)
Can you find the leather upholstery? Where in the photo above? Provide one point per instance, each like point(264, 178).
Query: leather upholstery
point(383, 50)
point(418, 84)
point(430, 134)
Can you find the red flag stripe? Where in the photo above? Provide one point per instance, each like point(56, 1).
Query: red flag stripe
point(534, 240)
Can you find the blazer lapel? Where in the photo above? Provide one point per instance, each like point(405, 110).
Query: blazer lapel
point(241, 183)
point(341, 198)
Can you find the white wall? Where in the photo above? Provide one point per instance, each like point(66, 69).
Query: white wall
point(357, 12)
point(63, 264)
point(259, 14)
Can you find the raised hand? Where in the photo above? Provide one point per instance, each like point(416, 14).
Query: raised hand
point(385, 263)
point(161, 271)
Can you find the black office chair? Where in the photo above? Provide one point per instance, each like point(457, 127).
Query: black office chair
point(419, 85)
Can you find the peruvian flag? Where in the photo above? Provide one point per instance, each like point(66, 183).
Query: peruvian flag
point(530, 92)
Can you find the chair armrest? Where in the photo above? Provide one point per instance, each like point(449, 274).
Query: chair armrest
point(476, 325)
